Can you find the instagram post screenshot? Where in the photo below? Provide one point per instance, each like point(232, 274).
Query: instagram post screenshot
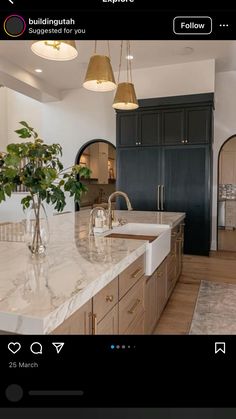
point(117, 210)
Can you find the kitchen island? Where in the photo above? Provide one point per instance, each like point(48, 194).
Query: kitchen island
point(38, 296)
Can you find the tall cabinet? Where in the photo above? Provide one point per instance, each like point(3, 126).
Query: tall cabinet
point(164, 161)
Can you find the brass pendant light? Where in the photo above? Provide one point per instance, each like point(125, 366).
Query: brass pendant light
point(125, 98)
point(55, 50)
point(99, 76)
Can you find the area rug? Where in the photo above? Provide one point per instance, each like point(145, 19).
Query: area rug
point(215, 310)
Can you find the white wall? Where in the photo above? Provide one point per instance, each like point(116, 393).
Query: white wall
point(3, 121)
point(174, 80)
point(80, 117)
point(15, 107)
point(224, 127)
point(21, 108)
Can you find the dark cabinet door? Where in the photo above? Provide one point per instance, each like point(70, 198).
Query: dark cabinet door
point(150, 128)
point(127, 129)
point(198, 124)
point(173, 126)
point(138, 174)
point(186, 182)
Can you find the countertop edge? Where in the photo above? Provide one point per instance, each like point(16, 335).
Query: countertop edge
point(14, 323)
point(44, 326)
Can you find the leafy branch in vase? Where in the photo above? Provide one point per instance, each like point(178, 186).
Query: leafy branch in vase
point(37, 167)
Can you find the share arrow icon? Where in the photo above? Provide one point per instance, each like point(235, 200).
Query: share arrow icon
point(58, 346)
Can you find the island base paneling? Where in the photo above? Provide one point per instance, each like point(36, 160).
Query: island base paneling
point(132, 303)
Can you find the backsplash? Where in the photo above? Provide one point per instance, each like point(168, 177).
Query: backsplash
point(227, 191)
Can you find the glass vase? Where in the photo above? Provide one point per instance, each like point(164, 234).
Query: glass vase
point(37, 228)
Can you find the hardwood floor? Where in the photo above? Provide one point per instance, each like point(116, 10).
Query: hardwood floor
point(177, 315)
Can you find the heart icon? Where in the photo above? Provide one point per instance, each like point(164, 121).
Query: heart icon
point(14, 347)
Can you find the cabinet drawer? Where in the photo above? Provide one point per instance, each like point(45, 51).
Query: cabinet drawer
point(171, 279)
point(161, 294)
point(105, 300)
point(137, 327)
point(171, 272)
point(79, 323)
point(131, 306)
point(130, 276)
point(109, 324)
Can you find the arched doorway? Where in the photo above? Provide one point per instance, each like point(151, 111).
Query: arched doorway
point(227, 196)
point(100, 156)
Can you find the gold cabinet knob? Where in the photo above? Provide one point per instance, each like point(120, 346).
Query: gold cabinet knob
point(109, 298)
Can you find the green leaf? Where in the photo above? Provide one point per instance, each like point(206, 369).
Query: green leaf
point(8, 189)
point(26, 201)
point(13, 148)
point(84, 172)
point(2, 195)
point(12, 160)
point(25, 124)
point(23, 133)
point(10, 174)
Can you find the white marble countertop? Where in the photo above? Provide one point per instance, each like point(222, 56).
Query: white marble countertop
point(36, 296)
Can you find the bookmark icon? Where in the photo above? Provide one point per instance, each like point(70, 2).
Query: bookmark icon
point(220, 347)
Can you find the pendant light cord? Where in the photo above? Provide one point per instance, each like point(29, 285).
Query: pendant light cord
point(130, 70)
point(127, 61)
point(121, 50)
point(108, 47)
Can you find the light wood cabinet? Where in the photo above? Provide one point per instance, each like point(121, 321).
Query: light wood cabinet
point(79, 323)
point(171, 272)
point(174, 259)
point(137, 327)
point(132, 303)
point(131, 307)
point(179, 252)
point(155, 297)
point(105, 300)
point(161, 288)
point(131, 275)
point(151, 307)
point(109, 324)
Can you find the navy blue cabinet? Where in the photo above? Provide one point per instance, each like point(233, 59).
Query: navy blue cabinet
point(187, 189)
point(173, 126)
point(139, 128)
point(139, 174)
point(176, 154)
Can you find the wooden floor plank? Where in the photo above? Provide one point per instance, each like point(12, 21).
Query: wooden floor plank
point(177, 315)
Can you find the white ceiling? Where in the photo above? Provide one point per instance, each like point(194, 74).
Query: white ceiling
point(70, 74)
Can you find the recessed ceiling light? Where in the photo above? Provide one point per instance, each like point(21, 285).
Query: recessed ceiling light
point(38, 70)
point(129, 57)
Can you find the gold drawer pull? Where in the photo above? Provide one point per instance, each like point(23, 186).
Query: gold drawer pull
point(109, 298)
point(138, 271)
point(132, 310)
